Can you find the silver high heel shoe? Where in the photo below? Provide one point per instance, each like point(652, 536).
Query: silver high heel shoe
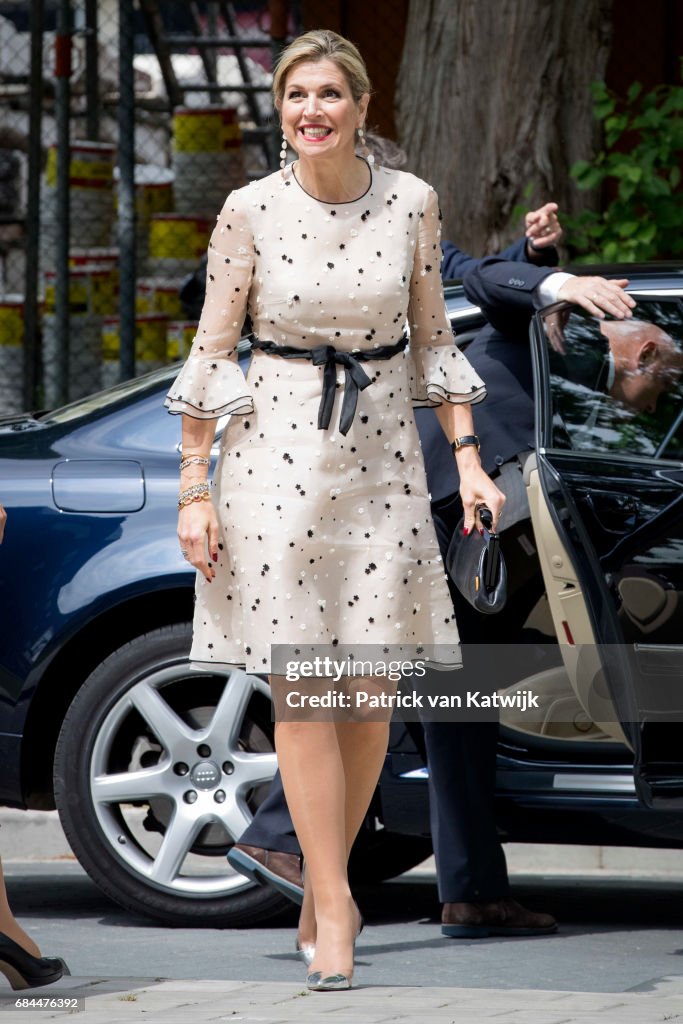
point(319, 982)
point(306, 950)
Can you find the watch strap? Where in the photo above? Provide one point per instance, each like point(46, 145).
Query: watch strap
point(468, 440)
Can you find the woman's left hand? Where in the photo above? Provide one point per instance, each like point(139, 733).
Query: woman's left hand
point(477, 488)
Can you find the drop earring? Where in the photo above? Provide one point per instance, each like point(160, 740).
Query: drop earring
point(362, 142)
point(283, 153)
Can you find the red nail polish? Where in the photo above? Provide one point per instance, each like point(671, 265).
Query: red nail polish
point(465, 531)
point(481, 532)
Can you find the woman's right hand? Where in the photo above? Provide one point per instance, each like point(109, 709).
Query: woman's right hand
point(198, 536)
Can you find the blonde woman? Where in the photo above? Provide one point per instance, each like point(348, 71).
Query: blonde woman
point(317, 527)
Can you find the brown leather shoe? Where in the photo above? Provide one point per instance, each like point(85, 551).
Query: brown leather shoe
point(280, 870)
point(504, 917)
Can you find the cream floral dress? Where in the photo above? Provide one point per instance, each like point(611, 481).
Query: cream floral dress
point(326, 538)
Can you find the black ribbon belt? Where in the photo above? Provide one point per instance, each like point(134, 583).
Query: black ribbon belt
point(356, 379)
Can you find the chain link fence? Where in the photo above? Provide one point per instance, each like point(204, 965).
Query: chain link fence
point(123, 125)
point(84, 159)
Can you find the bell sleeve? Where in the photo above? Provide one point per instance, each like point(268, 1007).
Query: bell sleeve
point(211, 382)
point(440, 371)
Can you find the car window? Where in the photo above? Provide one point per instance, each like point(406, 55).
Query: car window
point(128, 389)
point(617, 386)
point(101, 400)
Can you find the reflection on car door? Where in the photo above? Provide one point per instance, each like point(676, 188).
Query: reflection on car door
point(610, 461)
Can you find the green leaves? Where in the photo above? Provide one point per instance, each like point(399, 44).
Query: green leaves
point(639, 173)
point(587, 175)
point(603, 101)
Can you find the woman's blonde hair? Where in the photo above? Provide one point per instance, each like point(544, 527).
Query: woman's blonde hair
point(322, 44)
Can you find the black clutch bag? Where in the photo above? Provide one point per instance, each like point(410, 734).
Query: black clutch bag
point(476, 565)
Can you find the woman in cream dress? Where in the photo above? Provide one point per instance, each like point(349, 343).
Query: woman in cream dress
point(318, 534)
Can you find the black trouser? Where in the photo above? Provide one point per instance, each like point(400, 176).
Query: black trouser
point(470, 863)
point(462, 778)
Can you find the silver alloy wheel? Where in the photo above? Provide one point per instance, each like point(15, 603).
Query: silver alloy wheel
point(202, 775)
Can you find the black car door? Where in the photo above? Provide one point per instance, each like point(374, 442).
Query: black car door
point(609, 436)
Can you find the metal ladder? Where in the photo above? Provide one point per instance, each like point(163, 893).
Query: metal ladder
point(206, 39)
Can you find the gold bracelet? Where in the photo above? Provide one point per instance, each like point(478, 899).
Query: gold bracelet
point(197, 492)
point(193, 460)
point(196, 497)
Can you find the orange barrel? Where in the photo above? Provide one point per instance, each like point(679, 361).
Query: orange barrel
point(85, 362)
point(159, 295)
point(91, 194)
point(150, 345)
point(11, 353)
point(179, 339)
point(177, 241)
point(207, 157)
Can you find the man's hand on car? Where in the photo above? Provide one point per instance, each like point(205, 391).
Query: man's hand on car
point(598, 296)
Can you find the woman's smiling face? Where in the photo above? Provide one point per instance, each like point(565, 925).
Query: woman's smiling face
point(318, 111)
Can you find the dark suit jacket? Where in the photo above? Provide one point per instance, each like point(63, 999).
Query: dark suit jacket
point(456, 263)
point(501, 356)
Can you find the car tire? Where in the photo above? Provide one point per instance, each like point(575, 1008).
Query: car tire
point(149, 734)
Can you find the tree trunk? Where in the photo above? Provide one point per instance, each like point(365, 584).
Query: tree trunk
point(494, 106)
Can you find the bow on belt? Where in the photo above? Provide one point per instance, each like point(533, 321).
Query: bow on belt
point(356, 379)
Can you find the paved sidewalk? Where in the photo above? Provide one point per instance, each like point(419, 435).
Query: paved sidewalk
point(119, 1001)
point(649, 998)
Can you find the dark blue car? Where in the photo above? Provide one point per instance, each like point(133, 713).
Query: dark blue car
point(156, 767)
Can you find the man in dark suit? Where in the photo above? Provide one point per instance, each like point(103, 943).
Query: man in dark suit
point(472, 874)
point(471, 870)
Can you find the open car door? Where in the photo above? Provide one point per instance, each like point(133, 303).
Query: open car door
point(606, 496)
